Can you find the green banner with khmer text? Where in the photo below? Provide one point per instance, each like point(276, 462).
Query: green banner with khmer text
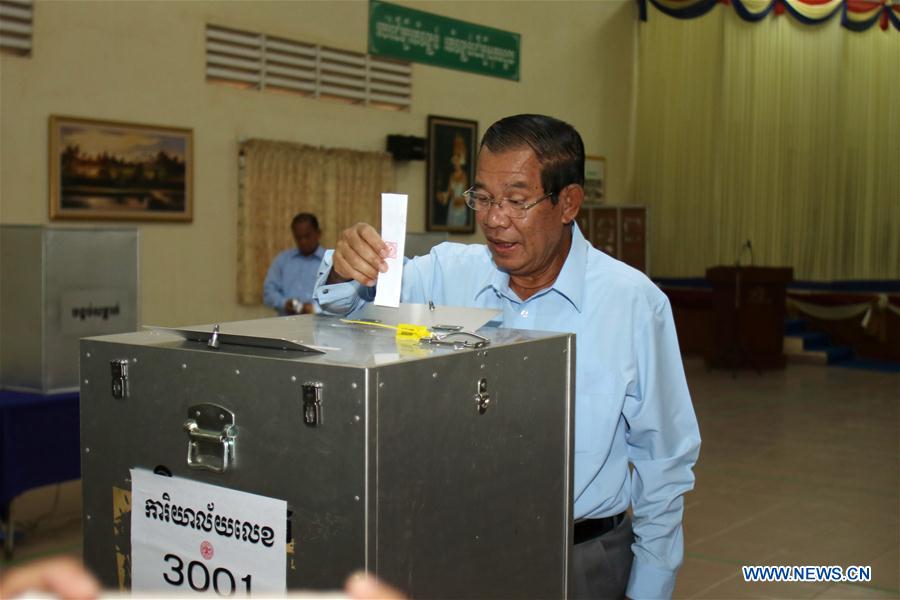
point(418, 36)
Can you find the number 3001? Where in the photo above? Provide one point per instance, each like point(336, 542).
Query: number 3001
point(199, 578)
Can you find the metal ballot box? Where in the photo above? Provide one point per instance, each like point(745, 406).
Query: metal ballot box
point(61, 284)
point(445, 470)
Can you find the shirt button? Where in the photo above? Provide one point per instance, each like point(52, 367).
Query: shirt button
point(524, 312)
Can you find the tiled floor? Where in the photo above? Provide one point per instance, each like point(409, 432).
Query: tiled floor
point(798, 467)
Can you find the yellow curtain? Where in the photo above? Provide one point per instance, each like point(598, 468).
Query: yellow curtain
point(777, 132)
point(281, 179)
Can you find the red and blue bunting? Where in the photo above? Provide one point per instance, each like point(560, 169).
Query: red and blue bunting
point(856, 15)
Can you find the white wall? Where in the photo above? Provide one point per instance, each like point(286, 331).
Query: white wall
point(143, 62)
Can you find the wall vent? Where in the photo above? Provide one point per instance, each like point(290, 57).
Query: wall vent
point(259, 61)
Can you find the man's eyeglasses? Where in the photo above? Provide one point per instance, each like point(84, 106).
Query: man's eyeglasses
point(514, 208)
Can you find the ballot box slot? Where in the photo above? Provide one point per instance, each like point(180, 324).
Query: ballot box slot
point(217, 337)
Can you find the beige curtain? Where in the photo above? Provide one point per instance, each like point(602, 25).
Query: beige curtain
point(281, 179)
point(781, 133)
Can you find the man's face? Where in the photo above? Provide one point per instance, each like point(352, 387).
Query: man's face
point(307, 237)
point(521, 247)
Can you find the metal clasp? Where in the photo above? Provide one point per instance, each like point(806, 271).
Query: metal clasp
point(119, 369)
point(211, 437)
point(458, 340)
point(312, 403)
point(213, 341)
point(482, 397)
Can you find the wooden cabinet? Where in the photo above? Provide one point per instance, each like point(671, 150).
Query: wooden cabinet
point(620, 231)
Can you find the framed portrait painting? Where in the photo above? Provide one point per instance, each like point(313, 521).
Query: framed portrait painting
point(120, 171)
point(451, 171)
point(594, 179)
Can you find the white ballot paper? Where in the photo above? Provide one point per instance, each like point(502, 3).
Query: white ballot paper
point(189, 537)
point(393, 232)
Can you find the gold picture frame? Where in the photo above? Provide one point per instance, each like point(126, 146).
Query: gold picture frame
point(111, 170)
point(594, 179)
point(451, 171)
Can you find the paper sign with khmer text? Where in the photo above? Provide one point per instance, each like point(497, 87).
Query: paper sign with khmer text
point(194, 538)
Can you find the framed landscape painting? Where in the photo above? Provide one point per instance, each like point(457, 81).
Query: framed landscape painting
point(120, 171)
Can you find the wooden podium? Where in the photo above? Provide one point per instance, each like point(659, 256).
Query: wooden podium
point(748, 316)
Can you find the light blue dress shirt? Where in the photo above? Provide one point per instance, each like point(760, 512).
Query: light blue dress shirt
point(292, 275)
point(632, 401)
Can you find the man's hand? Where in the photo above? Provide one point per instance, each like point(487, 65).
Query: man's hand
point(289, 307)
point(62, 577)
point(359, 256)
point(362, 586)
point(307, 308)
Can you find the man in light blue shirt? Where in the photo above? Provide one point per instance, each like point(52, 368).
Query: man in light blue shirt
point(291, 279)
point(632, 405)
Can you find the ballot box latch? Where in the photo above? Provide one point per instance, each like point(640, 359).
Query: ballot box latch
point(482, 397)
point(119, 371)
point(312, 403)
point(211, 437)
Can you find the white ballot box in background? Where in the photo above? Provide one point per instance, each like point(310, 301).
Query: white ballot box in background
point(446, 470)
point(59, 285)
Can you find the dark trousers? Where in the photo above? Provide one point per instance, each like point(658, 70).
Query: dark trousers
point(602, 565)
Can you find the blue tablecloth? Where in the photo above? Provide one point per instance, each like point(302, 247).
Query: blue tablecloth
point(39, 441)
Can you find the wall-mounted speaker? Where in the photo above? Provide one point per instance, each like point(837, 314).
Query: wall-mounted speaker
point(406, 147)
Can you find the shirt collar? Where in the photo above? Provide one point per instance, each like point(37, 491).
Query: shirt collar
point(318, 252)
point(570, 281)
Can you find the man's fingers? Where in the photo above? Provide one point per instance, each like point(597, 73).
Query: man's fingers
point(350, 263)
point(62, 577)
point(357, 270)
point(359, 254)
point(365, 242)
point(368, 233)
point(362, 586)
